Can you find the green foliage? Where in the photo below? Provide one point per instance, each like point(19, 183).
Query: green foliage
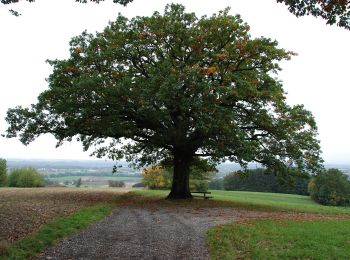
point(330, 187)
point(160, 176)
point(198, 185)
point(156, 177)
point(287, 239)
point(259, 180)
point(58, 228)
point(174, 85)
point(3, 173)
point(25, 177)
point(119, 184)
point(138, 185)
point(334, 12)
point(216, 184)
point(78, 182)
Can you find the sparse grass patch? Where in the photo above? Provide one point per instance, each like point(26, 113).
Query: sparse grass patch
point(56, 229)
point(286, 239)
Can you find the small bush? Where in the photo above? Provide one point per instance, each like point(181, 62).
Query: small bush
point(3, 173)
point(198, 185)
point(78, 183)
point(116, 183)
point(156, 177)
point(330, 187)
point(138, 185)
point(25, 177)
point(216, 184)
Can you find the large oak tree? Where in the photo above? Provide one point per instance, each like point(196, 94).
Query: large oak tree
point(175, 87)
point(333, 11)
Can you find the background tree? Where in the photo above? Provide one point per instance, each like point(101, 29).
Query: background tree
point(330, 187)
point(78, 183)
point(333, 11)
point(159, 176)
point(25, 177)
point(155, 177)
point(3, 173)
point(259, 180)
point(174, 86)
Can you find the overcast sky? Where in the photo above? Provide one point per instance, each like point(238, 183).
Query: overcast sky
point(318, 77)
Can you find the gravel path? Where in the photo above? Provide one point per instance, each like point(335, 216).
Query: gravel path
point(140, 233)
point(154, 232)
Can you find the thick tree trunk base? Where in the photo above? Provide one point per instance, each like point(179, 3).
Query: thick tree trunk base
point(182, 196)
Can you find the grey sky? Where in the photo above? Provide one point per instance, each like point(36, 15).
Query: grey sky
point(318, 77)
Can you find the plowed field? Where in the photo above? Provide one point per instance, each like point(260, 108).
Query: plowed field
point(24, 210)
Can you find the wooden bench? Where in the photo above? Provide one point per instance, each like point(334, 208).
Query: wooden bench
point(205, 196)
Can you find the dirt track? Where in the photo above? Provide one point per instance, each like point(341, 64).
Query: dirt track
point(152, 231)
point(138, 233)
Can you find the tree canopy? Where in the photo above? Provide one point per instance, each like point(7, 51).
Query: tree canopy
point(333, 11)
point(176, 87)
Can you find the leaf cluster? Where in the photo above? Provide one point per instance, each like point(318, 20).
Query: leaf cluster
point(333, 11)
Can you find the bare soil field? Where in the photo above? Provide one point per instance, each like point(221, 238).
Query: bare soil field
point(24, 210)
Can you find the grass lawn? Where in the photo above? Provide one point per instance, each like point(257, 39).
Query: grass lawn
point(264, 201)
point(272, 239)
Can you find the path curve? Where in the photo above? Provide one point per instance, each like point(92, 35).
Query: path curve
point(138, 233)
point(152, 231)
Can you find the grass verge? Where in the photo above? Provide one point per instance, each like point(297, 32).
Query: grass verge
point(286, 239)
point(261, 201)
point(58, 228)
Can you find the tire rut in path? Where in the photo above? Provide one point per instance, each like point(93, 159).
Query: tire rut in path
point(138, 233)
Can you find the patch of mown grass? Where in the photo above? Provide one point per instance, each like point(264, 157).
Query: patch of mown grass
point(284, 239)
point(262, 201)
point(58, 228)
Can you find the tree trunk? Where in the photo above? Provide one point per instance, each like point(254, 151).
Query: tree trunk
point(180, 188)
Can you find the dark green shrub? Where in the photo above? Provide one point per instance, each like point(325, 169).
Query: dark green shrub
point(3, 173)
point(330, 187)
point(25, 177)
point(116, 183)
point(258, 180)
point(138, 185)
point(198, 185)
point(216, 184)
point(78, 183)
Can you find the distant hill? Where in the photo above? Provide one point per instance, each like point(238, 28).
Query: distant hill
point(40, 163)
point(49, 165)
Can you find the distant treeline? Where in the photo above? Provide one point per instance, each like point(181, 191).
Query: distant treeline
point(94, 174)
point(257, 180)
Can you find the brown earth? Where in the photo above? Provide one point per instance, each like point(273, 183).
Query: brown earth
point(24, 210)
